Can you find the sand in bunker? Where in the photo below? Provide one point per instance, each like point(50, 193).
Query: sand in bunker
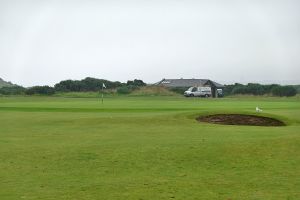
point(240, 119)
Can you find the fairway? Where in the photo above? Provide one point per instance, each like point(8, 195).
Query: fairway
point(146, 148)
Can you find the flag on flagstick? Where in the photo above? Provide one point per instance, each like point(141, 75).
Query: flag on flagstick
point(103, 86)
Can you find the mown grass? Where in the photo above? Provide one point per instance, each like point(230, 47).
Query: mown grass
point(146, 148)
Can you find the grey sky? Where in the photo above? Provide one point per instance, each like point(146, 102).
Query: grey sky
point(43, 42)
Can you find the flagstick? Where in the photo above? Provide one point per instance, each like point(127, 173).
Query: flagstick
point(103, 86)
point(102, 94)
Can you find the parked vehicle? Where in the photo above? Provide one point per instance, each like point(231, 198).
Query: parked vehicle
point(198, 92)
point(220, 93)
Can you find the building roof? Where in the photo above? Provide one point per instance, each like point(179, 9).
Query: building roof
point(217, 85)
point(188, 83)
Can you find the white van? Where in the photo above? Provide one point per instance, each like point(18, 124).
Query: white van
point(198, 92)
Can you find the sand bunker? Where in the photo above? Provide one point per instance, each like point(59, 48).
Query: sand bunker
point(239, 119)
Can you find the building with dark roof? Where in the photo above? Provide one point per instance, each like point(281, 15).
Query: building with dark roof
point(186, 83)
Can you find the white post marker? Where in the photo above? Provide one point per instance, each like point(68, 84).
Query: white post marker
point(103, 86)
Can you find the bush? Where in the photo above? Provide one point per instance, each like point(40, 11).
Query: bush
point(257, 89)
point(87, 84)
point(136, 82)
point(250, 88)
point(240, 89)
point(43, 90)
point(126, 89)
point(153, 91)
point(179, 90)
point(281, 91)
point(12, 90)
point(297, 87)
point(123, 90)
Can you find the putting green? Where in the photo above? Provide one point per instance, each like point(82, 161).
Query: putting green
point(146, 148)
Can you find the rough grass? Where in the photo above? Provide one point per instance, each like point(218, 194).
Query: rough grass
point(146, 148)
point(107, 93)
point(153, 91)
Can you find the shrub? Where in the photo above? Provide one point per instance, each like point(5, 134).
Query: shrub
point(241, 89)
point(87, 84)
point(123, 90)
point(255, 89)
point(153, 91)
point(136, 82)
point(43, 90)
point(284, 91)
point(297, 87)
point(179, 90)
point(236, 88)
point(258, 89)
point(126, 89)
point(12, 90)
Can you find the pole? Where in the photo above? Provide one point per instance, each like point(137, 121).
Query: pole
point(102, 95)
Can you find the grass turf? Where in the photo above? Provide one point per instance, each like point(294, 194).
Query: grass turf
point(146, 148)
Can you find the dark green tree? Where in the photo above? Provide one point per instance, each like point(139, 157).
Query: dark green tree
point(42, 90)
point(281, 91)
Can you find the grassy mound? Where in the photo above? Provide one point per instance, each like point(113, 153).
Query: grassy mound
point(153, 91)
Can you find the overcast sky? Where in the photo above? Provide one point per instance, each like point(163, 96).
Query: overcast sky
point(46, 41)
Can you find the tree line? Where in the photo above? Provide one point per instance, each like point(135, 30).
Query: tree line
point(258, 89)
point(85, 85)
point(94, 85)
